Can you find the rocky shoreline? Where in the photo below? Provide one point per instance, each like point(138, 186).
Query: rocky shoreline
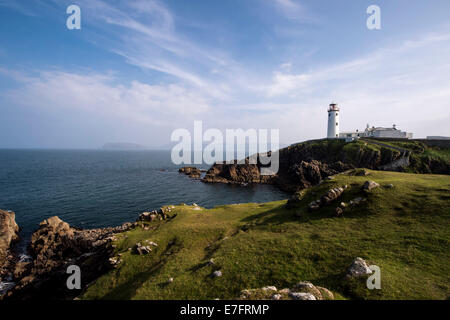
point(53, 247)
point(9, 235)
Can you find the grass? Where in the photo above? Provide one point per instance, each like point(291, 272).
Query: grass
point(404, 230)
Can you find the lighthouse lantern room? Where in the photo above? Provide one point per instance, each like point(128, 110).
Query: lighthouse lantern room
point(333, 121)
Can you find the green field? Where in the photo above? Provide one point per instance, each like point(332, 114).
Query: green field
point(405, 230)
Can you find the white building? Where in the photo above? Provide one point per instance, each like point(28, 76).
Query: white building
point(375, 132)
point(333, 121)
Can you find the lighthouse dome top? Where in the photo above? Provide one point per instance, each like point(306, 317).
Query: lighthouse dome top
point(333, 107)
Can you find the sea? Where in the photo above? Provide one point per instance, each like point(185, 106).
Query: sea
point(101, 188)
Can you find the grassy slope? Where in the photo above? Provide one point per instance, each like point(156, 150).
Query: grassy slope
point(421, 154)
point(404, 230)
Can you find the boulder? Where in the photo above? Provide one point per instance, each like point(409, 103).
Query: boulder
point(216, 274)
point(358, 268)
point(332, 195)
point(140, 249)
point(327, 198)
point(369, 185)
point(301, 291)
point(302, 296)
point(307, 287)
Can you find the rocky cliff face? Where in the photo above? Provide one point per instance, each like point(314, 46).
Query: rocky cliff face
point(55, 246)
point(9, 233)
point(308, 163)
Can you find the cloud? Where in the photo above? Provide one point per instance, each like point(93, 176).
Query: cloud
point(294, 10)
point(95, 93)
point(149, 39)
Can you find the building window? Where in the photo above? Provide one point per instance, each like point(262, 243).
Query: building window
point(336, 123)
point(336, 135)
point(329, 115)
point(336, 114)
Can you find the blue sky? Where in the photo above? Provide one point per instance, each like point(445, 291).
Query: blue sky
point(137, 70)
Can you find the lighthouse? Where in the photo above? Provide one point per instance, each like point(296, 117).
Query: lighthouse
point(333, 121)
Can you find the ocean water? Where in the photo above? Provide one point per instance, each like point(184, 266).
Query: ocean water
point(96, 188)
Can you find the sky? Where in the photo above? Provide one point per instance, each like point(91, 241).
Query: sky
point(138, 70)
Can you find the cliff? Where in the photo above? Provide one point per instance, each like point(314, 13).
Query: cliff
point(9, 233)
point(308, 163)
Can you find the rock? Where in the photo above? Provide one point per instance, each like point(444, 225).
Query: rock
point(115, 261)
point(329, 178)
point(269, 288)
point(389, 186)
point(216, 274)
point(160, 214)
point(21, 269)
point(326, 294)
point(210, 262)
point(359, 267)
point(339, 212)
point(53, 247)
point(9, 234)
point(307, 287)
point(369, 185)
point(302, 296)
point(276, 296)
point(301, 291)
point(295, 199)
point(140, 249)
point(151, 243)
point(327, 198)
point(192, 172)
point(170, 280)
point(362, 172)
point(314, 205)
point(5, 286)
point(331, 195)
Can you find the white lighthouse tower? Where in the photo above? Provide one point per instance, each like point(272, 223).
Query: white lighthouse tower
point(333, 121)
